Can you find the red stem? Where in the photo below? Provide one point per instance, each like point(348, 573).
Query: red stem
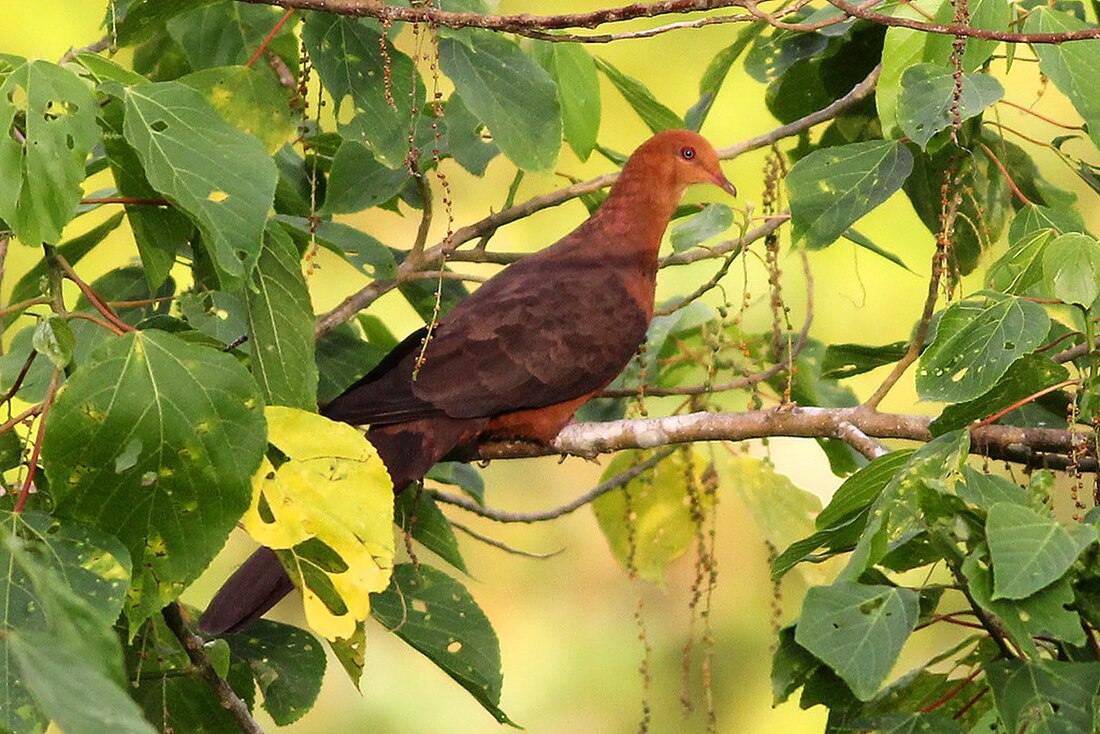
point(32, 465)
point(270, 36)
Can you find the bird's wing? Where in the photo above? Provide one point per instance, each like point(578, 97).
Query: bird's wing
point(552, 335)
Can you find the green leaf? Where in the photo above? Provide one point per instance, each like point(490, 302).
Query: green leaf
point(1024, 377)
point(927, 96)
point(1031, 220)
point(1020, 269)
point(839, 525)
point(857, 630)
point(1030, 550)
point(782, 511)
point(71, 688)
point(1071, 66)
point(220, 177)
point(54, 339)
point(1071, 268)
point(899, 512)
point(654, 114)
point(40, 178)
point(831, 189)
point(462, 476)
point(867, 243)
point(976, 342)
point(906, 47)
point(354, 245)
point(437, 616)
point(792, 666)
point(159, 232)
point(342, 358)
point(509, 92)
point(50, 566)
point(1048, 696)
point(649, 521)
point(221, 33)
point(715, 74)
point(358, 181)
point(574, 72)
point(288, 663)
point(248, 100)
point(138, 20)
point(707, 224)
point(193, 417)
point(985, 490)
point(1045, 613)
point(347, 55)
point(848, 360)
point(416, 511)
point(280, 325)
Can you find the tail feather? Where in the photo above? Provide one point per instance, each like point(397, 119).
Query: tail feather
point(253, 589)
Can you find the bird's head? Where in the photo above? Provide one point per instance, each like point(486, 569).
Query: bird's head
point(681, 158)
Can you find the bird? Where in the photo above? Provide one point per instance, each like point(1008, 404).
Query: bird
point(516, 358)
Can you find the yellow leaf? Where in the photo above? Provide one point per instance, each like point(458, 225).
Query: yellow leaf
point(649, 521)
point(332, 494)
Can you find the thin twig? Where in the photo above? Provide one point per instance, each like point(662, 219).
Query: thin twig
point(92, 296)
point(193, 645)
point(500, 545)
point(271, 36)
point(13, 422)
point(1022, 402)
point(1007, 176)
point(95, 320)
point(129, 200)
point(19, 378)
point(32, 462)
point(528, 517)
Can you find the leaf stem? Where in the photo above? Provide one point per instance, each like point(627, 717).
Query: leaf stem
point(32, 462)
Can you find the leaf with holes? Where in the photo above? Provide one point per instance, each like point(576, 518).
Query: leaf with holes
point(347, 54)
point(40, 176)
point(1071, 66)
point(437, 616)
point(1071, 269)
point(328, 509)
point(509, 92)
point(46, 557)
point(857, 630)
point(280, 325)
point(1024, 377)
point(927, 98)
point(832, 188)
point(155, 440)
point(976, 341)
point(1030, 550)
point(288, 663)
point(220, 177)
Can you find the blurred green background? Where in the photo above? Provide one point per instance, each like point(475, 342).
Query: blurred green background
point(569, 641)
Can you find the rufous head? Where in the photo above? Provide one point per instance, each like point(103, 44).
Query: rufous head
point(680, 158)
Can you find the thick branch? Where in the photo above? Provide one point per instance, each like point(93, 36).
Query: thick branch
point(226, 696)
point(1048, 447)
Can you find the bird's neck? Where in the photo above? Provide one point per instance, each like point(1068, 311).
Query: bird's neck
point(637, 212)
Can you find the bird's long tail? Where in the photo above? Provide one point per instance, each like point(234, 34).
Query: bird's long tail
point(408, 450)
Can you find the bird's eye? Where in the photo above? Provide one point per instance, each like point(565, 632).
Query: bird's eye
point(687, 152)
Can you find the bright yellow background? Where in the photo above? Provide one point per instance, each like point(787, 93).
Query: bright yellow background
point(569, 642)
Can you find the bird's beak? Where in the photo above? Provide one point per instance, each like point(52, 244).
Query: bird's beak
point(724, 183)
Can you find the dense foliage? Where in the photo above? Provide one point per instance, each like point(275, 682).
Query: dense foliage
point(140, 428)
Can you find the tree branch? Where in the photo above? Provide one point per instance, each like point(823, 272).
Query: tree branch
point(1047, 447)
point(435, 254)
point(226, 696)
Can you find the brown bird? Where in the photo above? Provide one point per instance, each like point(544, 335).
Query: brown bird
point(517, 357)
